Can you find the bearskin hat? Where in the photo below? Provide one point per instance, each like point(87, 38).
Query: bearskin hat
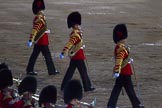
point(28, 84)
point(37, 6)
point(48, 95)
point(120, 32)
point(73, 90)
point(3, 65)
point(73, 18)
point(6, 78)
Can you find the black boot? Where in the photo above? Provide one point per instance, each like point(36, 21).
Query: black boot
point(53, 73)
point(31, 73)
point(90, 89)
point(139, 106)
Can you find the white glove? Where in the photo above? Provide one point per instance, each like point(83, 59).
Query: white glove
point(131, 61)
point(48, 31)
point(116, 75)
point(29, 43)
point(62, 56)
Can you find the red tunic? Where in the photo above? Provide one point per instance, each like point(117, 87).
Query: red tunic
point(9, 102)
point(6, 102)
point(43, 40)
point(39, 27)
point(79, 55)
point(75, 38)
point(121, 53)
point(72, 106)
point(69, 106)
point(20, 104)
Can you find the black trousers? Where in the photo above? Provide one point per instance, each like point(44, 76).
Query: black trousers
point(126, 82)
point(80, 65)
point(47, 55)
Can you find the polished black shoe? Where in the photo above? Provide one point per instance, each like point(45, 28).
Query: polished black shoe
point(31, 73)
point(141, 106)
point(54, 73)
point(90, 89)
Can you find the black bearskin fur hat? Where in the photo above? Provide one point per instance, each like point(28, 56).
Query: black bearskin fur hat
point(73, 18)
point(120, 32)
point(6, 78)
point(3, 65)
point(73, 90)
point(37, 6)
point(28, 84)
point(48, 95)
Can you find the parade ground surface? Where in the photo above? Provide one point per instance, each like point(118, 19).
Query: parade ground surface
point(142, 17)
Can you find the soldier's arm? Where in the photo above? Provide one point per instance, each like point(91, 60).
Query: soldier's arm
point(119, 59)
point(74, 39)
point(39, 23)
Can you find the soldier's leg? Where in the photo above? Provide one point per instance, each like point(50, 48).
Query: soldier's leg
point(115, 92)
point(128, 85)
point(69, 73)
point(84, 76)
point(49, 62)
point(32, 60)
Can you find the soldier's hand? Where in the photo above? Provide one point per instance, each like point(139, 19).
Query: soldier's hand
point(29, 43)
point(48, 31)
point(116, 75)
point(62, 56)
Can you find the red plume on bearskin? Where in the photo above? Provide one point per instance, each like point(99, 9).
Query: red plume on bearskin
point(37, 6)
point(48, 95)
point(73, 90)
point(73, 18)
point(120, 32)
point(28, 84)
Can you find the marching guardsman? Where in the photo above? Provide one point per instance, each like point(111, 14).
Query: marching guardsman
point(39, 36)
point(122, 69)
point(73, 93)
point(26, 89)
point(74, 48)
point(48, 97)
point(7, 98)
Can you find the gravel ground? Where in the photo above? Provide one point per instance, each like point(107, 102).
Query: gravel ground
point(144, 21)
